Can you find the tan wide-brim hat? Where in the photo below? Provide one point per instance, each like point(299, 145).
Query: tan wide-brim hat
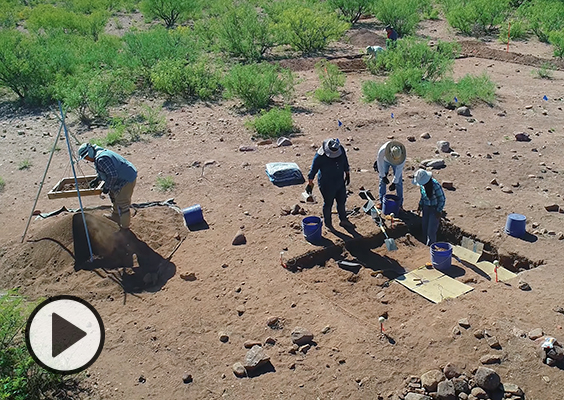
point(395, 152)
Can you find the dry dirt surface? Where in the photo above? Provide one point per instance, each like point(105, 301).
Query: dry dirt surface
point(167, 293)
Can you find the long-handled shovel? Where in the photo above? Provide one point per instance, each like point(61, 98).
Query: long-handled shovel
point(377, 217)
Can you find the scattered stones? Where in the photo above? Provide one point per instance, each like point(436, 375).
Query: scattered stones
point(443, 146)
point(431, 379)
point(535, 333)
point(490, 359)
point(464, 111)
point(454, 154)
point(449, 185)
point(487, 378)
point(297, 209)
point(255, 358)
point(187, 378)
point(461, 385)
point(493, 342)
point(239, 239)
point(522, 137)
point(451, 371)
point(190, 276)
point(552, 208)
point(410, 138)
point(464, 323)
point(249, 344)
point(479, 334)
point(283, 141)
point(524, 286)
point(246, 148)
point(434, 163)
point(223, 337)
point(301, 336)
point(239, 370)
point(425, 135)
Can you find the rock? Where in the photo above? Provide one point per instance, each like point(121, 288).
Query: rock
point(454, 154)
point(487, 378)
point(490, 359)
point(522, 137)
point(460, 385)
point(524, 286)
point(246, 148)
point(270, 341)
point(512, 389)
point(296, 209)
point(449, 185)
point(493, 342)
point(416, 396)
point(560, 235)
point(255, 358)
point(223, 337)
point(264, 142)
point(187, 378)
point(240, 309)
point(464, 111)
point(274, 322)
point(518, 332)
point(249, 344)
point(479, 334)
point(283, 141)
point(425, 135)
point(445, 391)
point(239, 239)
point(239, 370)
point(462, 396)
point(515, 184)
point(552, 208)
point(506, 190)
point(190, 276)
point(305, 348)
point(456, 331)
point(434, 163)
point(464, 323)
point(494, 182)
point(478, 393)
point(451, 371)
point(326, 330)
point(410, 138)
point(443, 146)
point(301, 336)
point(536, 333)
point(430, 379)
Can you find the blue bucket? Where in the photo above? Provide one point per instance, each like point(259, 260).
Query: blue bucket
point(390, 205)
point(312, 228)
point(515, 225)
point(441, 255)
point(193, 215)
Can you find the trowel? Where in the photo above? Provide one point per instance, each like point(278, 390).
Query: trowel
point(308, 197)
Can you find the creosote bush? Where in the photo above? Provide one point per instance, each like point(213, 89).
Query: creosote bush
point(165, 184)
point(274, 123)
point(331, 79)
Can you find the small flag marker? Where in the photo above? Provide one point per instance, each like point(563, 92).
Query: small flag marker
point(340, 123)
point(392, 115)
point(455, 100)
point(545, 98)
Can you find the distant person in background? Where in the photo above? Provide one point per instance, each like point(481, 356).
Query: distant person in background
point(431, 204)
point(392, 36)
point(119, 177)
point(390, 155)
point(331, 162)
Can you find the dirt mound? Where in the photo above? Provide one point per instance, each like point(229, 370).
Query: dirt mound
point(56, 259)
point(365, 37)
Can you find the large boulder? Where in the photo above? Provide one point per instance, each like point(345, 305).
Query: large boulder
point(445, 391)
point(487, 378)
point(430, 379)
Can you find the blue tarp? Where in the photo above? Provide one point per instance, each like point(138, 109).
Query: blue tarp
point(284, 173)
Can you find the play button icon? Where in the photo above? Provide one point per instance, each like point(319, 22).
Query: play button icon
point(65, 334)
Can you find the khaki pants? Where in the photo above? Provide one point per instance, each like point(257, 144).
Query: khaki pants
point(121, 202)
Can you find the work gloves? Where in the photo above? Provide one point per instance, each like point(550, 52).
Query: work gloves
point(309, 188)
point(375, 166)
point(386, 180)
point(392, 187)
point(105, 189)
point(94, 183)
point(347, 179)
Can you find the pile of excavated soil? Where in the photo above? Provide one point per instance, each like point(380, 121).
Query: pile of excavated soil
point(56, 258)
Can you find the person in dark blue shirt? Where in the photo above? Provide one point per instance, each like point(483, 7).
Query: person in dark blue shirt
point(331, 166)
point(432, 203)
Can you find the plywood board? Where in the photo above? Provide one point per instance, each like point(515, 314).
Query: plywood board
point(465, 254)
point(433, 284)
point(485, 266)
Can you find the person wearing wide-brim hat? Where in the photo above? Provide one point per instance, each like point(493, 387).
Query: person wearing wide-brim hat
point(391, 155)
point(331, 166)
point(432, 203)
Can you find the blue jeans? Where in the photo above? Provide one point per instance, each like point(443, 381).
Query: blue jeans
point(430, 224)
point(330, 194)
point(399, 185)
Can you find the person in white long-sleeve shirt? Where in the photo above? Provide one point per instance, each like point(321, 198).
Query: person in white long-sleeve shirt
point(391, 155)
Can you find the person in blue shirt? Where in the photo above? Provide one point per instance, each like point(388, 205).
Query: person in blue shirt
point(119, 177)
point(432, 203)
point(331, 166)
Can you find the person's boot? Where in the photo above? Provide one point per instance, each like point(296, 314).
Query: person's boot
point(124, 220)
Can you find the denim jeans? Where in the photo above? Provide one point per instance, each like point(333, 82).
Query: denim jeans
point(399, 185)
point(331, 193)
point(430, 224)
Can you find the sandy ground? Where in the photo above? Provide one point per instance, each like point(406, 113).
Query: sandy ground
point(166, 326)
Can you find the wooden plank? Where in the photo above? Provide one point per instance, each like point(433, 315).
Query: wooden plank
point(58, 193)
point(433, 284)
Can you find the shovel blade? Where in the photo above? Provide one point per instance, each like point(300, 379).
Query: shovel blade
point(391, 244)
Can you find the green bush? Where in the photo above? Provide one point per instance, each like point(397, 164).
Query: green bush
point(331, 79)
point(351, 10)
point(544, 72)
point(556, 39)
point(309, 29)
point(194, 80)
point(274, 123)
point(24, 164)
point(20, 377)
point(383, 92)
point(165, 184)
point(544, 17)
point(403, 15)
point(257, 84)
point(517, 30)
point(476, 17)
point(170, 11)
point(245, 32)
point(467, 91)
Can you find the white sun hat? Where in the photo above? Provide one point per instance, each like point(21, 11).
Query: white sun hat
point(421, 177)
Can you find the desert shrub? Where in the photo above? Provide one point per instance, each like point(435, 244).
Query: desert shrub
point(165, 184)
point(383, 92)
point(556, 38)
point(544, 17)
point(189, 80)
point(24, 164)
point(274, 123)
point(9, 13)
point(331, 79)
point(403, 15)
point(21, 378)
point(170, 11)
point(544, 72)
point(243, 31)
point(351, 10)
point(406, 79)
point(309, 29)
point(517, 30)
point(476, 17)
point(467, 91)
point(257, 84)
